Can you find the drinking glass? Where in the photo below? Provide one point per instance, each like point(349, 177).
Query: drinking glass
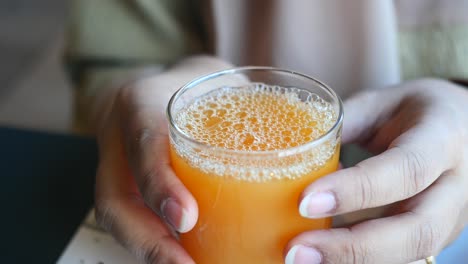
point(248, 199)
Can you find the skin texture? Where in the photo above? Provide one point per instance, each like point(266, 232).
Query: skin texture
point(418, 129)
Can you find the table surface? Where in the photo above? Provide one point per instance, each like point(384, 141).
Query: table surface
point(47, 189)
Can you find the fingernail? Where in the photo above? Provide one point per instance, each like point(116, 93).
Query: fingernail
point(175, 215)
point(300, 254)
point(317, 204)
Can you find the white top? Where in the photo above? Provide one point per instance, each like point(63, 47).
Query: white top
point(350, 45)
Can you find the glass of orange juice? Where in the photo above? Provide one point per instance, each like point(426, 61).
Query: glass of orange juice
point(246, 142)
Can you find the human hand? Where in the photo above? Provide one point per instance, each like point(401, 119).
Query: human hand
point(419, 130)
point(139, 200)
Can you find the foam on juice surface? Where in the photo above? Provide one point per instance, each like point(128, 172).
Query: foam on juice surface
point(257, 118)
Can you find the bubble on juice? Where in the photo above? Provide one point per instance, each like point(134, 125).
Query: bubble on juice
point(258, 118)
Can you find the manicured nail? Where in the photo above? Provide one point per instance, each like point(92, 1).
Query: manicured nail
point(317, 204)
point(300, 254)
point(174, 214)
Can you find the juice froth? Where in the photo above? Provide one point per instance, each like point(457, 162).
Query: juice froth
point(256, 118)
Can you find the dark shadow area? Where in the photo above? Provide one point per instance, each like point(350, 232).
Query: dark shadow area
point(46, 190)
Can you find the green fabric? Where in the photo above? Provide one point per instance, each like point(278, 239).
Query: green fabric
point(116, 33)
point(108, 38)
point(138, 30)
point(435, 51)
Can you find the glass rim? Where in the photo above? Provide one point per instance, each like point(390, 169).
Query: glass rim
point(279, 152)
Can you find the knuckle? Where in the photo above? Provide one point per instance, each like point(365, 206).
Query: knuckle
point(149, 192)
point(425, 239)
point(103, 213)
point(352, 254)
point(152, 254)
point(414, 169)
point(152, 251)
point(355, 252)
point(103, 203)
point(366, 187)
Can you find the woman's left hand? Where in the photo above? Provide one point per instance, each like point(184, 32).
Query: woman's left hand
point(419, 130)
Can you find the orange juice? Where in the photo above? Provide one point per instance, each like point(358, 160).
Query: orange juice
point(247, 193)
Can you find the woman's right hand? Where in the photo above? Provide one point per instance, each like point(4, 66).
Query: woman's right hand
point(139, 200)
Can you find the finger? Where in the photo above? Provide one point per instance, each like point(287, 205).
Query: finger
point(144, 130)
point(402, 171)
point(383, 115)
point(121, 210)
point(368, 110)
point(134, 225)
point(144, 125)
point(420, 232)
point(365, 110)
point(160, 187)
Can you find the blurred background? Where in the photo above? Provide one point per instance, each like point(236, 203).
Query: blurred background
point(34, 91)
point(36, 94)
